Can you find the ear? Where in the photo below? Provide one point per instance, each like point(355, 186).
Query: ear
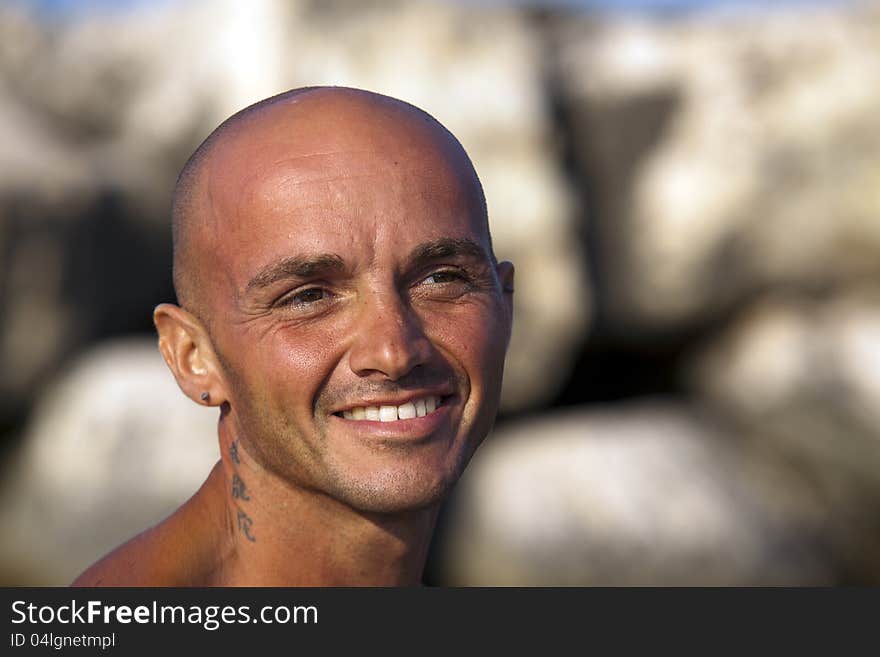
point(504, 270)
point(189, 354)
point(505, 273)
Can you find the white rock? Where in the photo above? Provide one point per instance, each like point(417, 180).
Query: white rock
point(765, 171)
point(639, 494)
point(788, 355)
point(113, 447)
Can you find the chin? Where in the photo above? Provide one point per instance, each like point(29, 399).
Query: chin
point(399, 490)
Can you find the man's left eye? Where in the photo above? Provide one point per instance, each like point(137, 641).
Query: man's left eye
point(306, 297)
point(440, 277)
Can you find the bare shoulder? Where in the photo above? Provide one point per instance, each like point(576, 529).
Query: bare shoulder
point(141, 561)
point(182, 550)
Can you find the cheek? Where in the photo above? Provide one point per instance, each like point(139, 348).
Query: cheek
point(288, 365)
point(476, 340)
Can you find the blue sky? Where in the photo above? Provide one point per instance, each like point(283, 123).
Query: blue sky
point(76, 6)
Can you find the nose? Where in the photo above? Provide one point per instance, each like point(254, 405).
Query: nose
point(390, 340)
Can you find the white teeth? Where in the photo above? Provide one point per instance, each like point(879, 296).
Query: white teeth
point(407, 411)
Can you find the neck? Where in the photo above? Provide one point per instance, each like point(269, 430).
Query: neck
point(280, 534)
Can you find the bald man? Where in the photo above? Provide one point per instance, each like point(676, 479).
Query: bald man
point(340, 303)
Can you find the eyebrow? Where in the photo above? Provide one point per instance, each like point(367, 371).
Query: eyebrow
point(308, 266)
point(296, 267)
point(447, 247)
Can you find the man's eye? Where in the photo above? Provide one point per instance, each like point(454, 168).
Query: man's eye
point(305, 297)
point(440, 277)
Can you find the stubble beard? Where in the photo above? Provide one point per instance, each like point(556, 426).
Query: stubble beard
point(311, 464)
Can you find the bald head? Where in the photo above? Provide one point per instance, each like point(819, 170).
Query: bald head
point(298, 142)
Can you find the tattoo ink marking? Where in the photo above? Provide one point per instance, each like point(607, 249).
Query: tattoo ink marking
point(239, 491)
point(244, 525)
point(233, 452)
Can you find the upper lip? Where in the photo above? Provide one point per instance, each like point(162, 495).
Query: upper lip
point(397, 400)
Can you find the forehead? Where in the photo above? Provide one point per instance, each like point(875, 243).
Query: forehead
point(367, 200)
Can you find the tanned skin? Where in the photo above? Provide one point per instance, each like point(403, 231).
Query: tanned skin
point(332, 253)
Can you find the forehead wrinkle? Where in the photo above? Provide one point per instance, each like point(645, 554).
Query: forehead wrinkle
point(298, 191)
point(260, 170)
point(285, 182)
point(281, 177)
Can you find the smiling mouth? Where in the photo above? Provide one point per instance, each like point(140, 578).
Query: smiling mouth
point(416, 408)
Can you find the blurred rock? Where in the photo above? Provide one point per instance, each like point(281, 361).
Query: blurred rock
point(725, 155)
point(99, 115)
point(653, 494)
point(113, 447)
point(806, 368)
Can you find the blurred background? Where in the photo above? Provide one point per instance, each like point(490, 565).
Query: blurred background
point(691, 194)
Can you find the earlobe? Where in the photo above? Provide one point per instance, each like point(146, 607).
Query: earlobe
point(188, 352)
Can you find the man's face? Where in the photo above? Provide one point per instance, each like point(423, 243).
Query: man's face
point(352, 280)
